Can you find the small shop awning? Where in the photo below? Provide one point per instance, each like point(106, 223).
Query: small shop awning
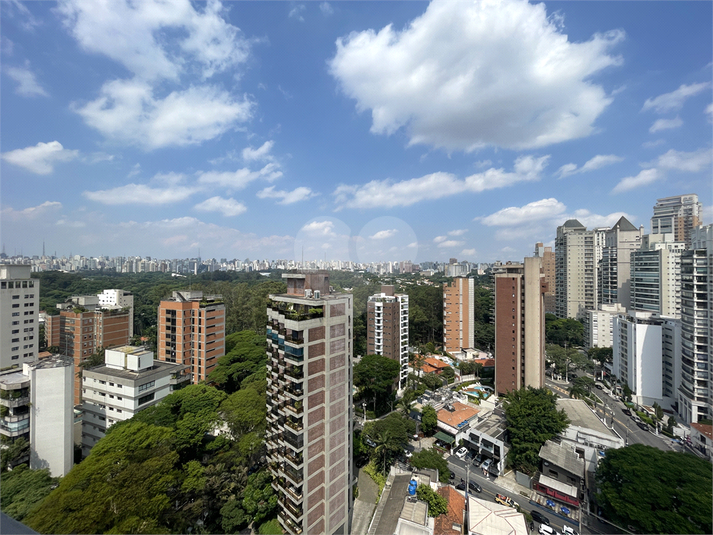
point(444, 438)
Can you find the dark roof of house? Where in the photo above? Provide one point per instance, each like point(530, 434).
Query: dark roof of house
point(624, 224)
point(572, 223)
point(10, 525)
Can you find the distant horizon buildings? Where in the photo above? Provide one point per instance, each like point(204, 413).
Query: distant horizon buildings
point(387, 328)
point(191, 331)
point(519, 325)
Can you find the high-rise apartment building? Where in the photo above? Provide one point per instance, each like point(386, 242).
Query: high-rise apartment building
point(548, 268)
point(614, 270)
point(38, 405)
point(677, 215)
point(309, 403)
point(519, 325)
point(577, 255)
point(458, 314)
point(599, 325)
point(387, 328)
point(656, 276)
point(129, 381)
point(191, 331)
point(694, 393)
point(19, 315)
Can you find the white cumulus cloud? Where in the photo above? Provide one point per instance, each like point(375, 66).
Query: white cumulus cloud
point(600, 160)
point(483, 73)
point(41, 158)
point(517, 215)
point(691, 162)
point(236, 180)
point(665, 124)
point(128, 111)
point(674, 100)
point(286, 197)
point(389, 194)
point(227, 207)
point(32, 212)
point(384, 234)
point(261, 153)
point(319, 228)
point(644, 178)
point(140, 194)
point(326, 9)
point(449, 244)
point(27, 84)
point(457, 232)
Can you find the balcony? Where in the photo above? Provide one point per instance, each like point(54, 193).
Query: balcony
point(295, 372)
point(295, 459)
point(287, 522)
point(295, 511)
point(293, 475)
point(295, 407)
point(294, 423)
point(15, 402)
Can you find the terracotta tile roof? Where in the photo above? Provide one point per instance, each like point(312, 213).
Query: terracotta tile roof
point(436, 363)
point(462, 412)
point(454, 515)
point(427, 368)
point(486, 363)
point(704, 429)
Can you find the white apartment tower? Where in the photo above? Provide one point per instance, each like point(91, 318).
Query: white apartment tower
point(694, 393)
point(577, 255)
point(656, 276)
point(677, 215)
point(19, 315)
point(614, 269)
point(309, 404)
point(387, 328)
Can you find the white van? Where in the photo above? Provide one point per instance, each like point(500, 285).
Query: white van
point(546, 530)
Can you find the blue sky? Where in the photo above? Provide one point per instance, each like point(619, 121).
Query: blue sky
point(360, 131)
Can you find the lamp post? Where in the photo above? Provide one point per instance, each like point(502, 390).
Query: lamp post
point(363, 404)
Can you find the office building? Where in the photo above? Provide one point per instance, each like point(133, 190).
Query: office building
point(519, 325)
point(191, 331)
point(83, 328)
point(19, 315)
point(614, 270)
point(387, 328)
point(577, 255)
point(37, 404)
point(694, 393)
point(309, 404)
point(677, 215)
point(129, 381)
point(458, 314)
point(548, 268)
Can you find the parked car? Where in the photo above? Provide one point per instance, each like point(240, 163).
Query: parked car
point(627, 412)
point(370, 442)
point(478, 459)
point(643, 425)
point(451, 476)
point(475, 487)
point(539, 517)
point(460, 486)
point(566, 530)
point(461, 452)
point(505, 500)
point(486, 464)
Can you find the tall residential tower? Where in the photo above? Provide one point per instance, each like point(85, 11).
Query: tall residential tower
point(309, 404)
point(387, 328)
point(458, 314)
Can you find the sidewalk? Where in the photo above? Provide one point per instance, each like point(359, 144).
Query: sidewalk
point(365, 504)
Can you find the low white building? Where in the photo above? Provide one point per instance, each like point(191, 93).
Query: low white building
point(599, 325)
point(129, 381)
point(488, 518)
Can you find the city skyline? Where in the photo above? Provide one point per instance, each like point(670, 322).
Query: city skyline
point(346, 131)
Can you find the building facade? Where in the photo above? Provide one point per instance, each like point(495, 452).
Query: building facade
point(191, 331)
point(309, 404)
point(694, 393)
point(519, 325)
point(577, 255)
point(387, 328)
point(118, 299)
point(458, 314)
point(548, 268)
point(19, 315)
point(677, 215)
point(599, 325)
point(656, 277)
point(614, 270)
point(129, 381)
point(37, 404)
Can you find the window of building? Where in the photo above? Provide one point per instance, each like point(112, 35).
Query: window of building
point(16, 297)
point(146, 398)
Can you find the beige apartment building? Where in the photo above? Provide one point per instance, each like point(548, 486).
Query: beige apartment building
point(458, 314)
point(519, 325)
point(309, 404)
point(191, 331)
point(548, 268)
point(677, 215)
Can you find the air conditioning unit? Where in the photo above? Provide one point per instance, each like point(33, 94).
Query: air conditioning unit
point(308, 293)
point(317, 294)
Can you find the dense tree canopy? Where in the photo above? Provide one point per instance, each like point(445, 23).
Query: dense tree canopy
point(561, 330)
point(656, 491)
point(23, 489)
point(244, 357)
point(532, 419)
point(376, 376)
point(429, 420)
point(437, 504)
point(390, 434)
point(432, 459)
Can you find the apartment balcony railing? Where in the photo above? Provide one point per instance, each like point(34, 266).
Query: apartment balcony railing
point(293, 475)
point(289, 524)
point(295, 511)
point(294, 371)
point(294, 424)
